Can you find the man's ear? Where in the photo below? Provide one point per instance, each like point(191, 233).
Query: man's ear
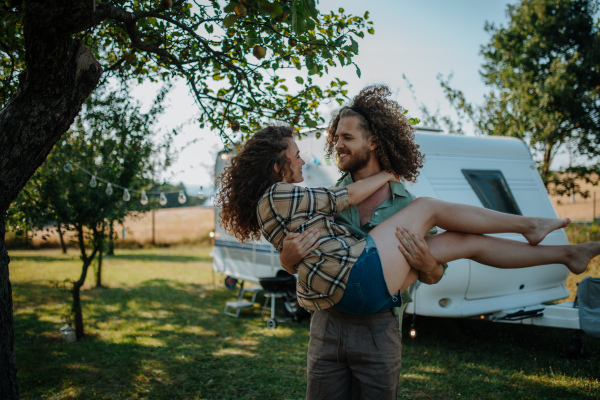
point(372, 144)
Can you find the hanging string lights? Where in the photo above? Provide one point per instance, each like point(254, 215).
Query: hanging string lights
point(162, 196)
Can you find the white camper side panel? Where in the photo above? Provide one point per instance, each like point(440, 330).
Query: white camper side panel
point(246, 262)
point(470, 288)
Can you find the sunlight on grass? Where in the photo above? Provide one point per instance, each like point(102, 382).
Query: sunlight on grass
point(158, 331)
point(417, 377)
point(234, 352)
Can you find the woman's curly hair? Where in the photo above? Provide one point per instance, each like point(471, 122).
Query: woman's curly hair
point(248, 177)
point(389, 127)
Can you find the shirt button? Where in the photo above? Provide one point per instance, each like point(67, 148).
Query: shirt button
point(376, 212)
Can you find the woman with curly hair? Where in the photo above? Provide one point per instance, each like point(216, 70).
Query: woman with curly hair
point(258, 196)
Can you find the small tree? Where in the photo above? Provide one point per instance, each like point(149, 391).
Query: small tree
point(87, 181)
point(544, 79)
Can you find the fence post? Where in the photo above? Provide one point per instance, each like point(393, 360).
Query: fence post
point(594, 208)
point(153, 237)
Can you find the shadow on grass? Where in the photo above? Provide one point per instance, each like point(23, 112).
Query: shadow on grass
point(161, 257)
point(159, 340)
point(43, 259)
point(454, 357)
point(170, 340)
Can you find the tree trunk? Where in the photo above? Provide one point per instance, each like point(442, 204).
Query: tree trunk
point(60, 74)
point(8, 369)
point(99, 270)
point(111, 240)
point(63, 246)
point(77, 311)
point(100, 245)
point(77, 314)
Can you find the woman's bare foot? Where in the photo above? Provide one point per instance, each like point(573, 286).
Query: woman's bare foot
point(581, 256)
point(540, 227)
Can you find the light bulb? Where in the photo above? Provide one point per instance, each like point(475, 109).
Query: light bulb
point(68, 167)
point(413, 333)
point(181, 199)
point(93, 181)
point(109, 189)
point(126, 195)
point(144, 199)
point(162, 199)
point(201, 193)
point(225, 156)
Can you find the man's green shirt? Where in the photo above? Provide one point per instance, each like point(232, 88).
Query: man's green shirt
point(399, 199)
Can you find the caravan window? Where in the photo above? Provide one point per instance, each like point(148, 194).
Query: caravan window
point(492, 190)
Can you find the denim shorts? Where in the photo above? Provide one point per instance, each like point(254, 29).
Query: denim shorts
point(366, 291)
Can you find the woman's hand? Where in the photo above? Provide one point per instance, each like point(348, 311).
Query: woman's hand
point(393, 177)
point(296, 246)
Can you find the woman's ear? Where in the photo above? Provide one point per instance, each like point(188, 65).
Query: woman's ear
point(276, 168)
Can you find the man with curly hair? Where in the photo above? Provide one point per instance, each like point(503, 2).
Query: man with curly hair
point(352, 356)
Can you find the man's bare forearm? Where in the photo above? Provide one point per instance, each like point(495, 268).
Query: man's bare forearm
point(433, 276)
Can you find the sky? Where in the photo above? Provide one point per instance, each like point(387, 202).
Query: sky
point(418, 39)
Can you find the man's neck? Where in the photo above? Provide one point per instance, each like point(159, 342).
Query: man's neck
point(368, 205)
point(365, 172)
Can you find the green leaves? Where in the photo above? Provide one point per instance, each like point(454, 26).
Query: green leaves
point(543, 79)
point(229, 20)
point(213, 47)
point(111, 139)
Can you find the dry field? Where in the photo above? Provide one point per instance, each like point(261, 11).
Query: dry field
point(186, 225)
point(579, 209)
point(189, 225)
point(172, 225)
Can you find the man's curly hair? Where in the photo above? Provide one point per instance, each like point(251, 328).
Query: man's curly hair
point(249, 176)
point(385, 121)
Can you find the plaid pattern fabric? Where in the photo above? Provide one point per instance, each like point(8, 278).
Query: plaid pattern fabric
point(323, 274)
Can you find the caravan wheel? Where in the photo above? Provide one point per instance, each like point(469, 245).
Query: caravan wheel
point(271, 323)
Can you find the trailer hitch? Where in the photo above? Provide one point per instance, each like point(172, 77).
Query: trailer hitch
point(519, 315)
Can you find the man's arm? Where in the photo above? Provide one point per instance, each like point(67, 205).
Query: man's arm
point(296, 246)
point(417, 254)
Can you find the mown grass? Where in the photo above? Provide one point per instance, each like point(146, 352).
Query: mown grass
point(158, 332)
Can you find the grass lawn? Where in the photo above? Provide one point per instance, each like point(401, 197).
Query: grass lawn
point(158, 332)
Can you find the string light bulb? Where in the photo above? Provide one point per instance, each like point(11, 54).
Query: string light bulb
point(144, 199)
point(93, 181)
point(181, 199)
point(109, 189)
point(162, 199)
point(413, 329)
point(126, 195)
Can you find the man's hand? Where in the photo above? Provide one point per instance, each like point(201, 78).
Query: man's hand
point(417, 254)
point(296, 246)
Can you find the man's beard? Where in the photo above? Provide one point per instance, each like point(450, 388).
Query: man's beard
point(358, 161)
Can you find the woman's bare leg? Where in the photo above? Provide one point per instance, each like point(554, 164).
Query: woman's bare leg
point(509, 254)
point(424, 213)
point(465, 218)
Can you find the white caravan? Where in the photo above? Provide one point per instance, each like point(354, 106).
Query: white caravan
point(494, 172)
